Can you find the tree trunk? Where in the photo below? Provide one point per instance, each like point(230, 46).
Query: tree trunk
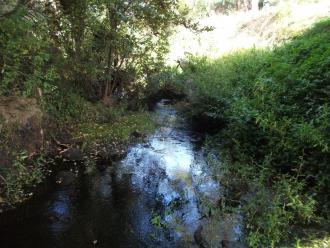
point(111, 53)
point(106, 94)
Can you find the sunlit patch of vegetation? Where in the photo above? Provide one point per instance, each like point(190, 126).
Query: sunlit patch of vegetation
point(312, 242)
point(117, 130)
point(156, 220)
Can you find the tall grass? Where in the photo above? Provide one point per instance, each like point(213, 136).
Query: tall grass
point(274, 110)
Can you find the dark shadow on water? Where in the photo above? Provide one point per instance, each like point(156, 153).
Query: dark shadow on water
point(149, 199)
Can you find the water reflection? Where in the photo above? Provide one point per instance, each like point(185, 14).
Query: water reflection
point(152, 198)
point(171, 169)
point(60, 212)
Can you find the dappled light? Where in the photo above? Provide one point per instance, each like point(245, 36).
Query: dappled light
point(171, 124)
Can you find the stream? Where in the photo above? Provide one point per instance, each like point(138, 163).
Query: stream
point(159, 195)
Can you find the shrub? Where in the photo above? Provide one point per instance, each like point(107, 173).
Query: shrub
point(275, 106)
point(18, 180)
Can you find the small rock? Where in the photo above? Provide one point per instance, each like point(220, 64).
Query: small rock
point(65, 177)
point(136, 134)
point(72, 154)
point(95, 242)
point(199, 237)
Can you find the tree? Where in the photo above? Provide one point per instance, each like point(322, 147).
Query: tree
point(134, 36)
point(98, 47)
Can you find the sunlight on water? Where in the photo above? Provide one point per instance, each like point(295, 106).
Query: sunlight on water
point(60, 209)
point(159, 195)
point(168, 167)
point(177, 158)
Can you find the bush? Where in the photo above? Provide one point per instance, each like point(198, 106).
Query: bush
point(24, 175)
point(275, 106)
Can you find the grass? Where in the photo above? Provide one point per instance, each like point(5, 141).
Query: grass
point(117, 130)
point(273, 107)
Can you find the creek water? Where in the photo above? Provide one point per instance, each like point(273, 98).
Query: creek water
point(154, 197)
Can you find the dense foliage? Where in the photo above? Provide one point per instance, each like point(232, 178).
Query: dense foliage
point(60, 51)
point(67, 54)
point(274, 110)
